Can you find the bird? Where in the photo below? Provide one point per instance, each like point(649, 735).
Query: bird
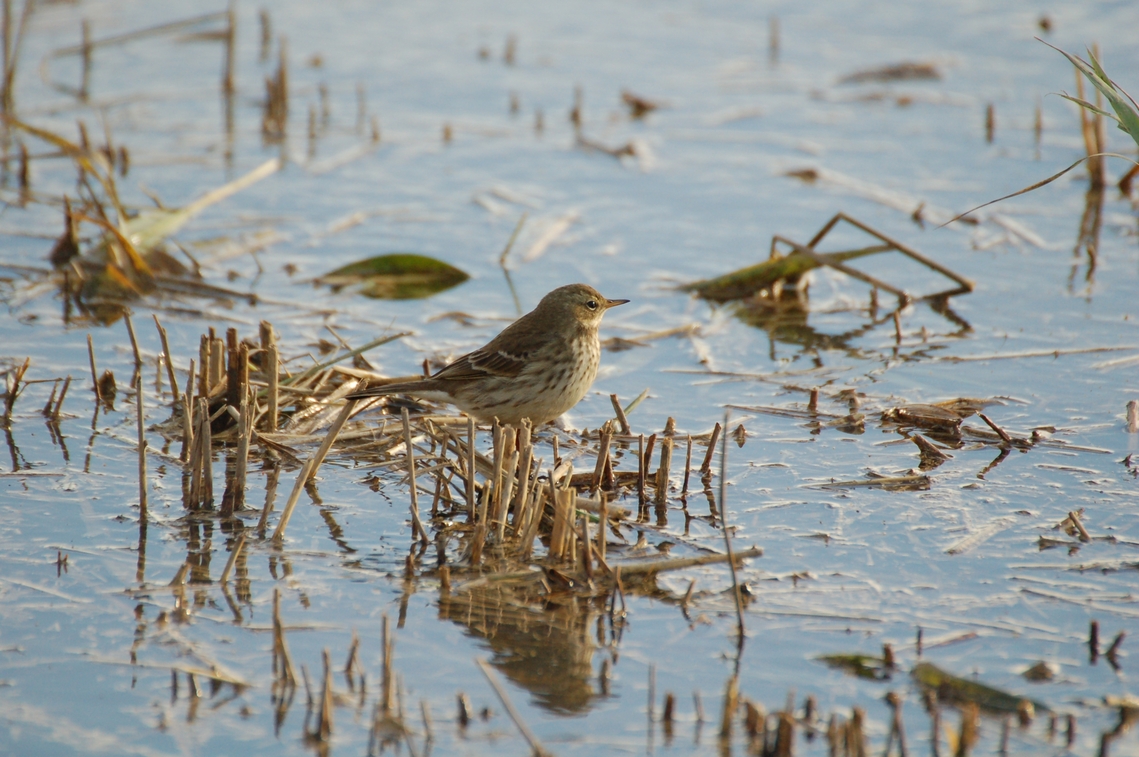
point(537, 368)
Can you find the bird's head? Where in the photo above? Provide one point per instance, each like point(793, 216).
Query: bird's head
point(581, 302)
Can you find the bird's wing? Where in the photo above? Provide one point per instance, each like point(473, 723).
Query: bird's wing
point(484, 362)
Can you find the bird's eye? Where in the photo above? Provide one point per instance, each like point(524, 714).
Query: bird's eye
point(592, 305)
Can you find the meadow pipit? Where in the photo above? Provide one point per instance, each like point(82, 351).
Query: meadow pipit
point(538, 367)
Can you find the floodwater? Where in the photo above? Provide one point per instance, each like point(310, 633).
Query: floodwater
point(1049, 335)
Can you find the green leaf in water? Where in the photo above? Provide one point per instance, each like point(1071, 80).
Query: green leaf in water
point(951, 688)
point(396, 276)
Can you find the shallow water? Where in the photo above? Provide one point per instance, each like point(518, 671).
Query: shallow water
point(86, 655)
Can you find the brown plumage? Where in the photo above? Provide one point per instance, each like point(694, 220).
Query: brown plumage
point(538, 367)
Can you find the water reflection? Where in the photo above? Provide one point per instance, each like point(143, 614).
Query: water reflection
point(545, 643)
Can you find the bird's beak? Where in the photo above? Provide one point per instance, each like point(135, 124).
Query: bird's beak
point(614, 303)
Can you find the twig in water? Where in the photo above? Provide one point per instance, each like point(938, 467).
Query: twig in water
point(1075, 520)
point(1000, 431)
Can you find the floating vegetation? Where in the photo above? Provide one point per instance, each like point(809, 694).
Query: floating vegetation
point(785, 272)
point(396, 276)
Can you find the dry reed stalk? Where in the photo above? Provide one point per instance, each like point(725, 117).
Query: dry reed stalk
point(187, 399)
point(416, 524)
point(650, 446)
point(205, 434)
point(241, 454)
point(217, 364)
point(323, 731)
point(13, 390)
point(94, 371)
point(706, 466)
point(330, 438)
point(134, 342)
point(139, 410)
point(1005, 438)
point(537, 508)
point(233, 555)
point(897, 730)
point(602, 458)
point(274, 479)
point(271, 367)
point(687, 467)
point(622, 420)
point(1074, 517)
point(168, 358)
point(294, 495)
point(586, 549)
point(46, 412)
point(641, 471)
point(471, 509)
point(664, 471)
point(55, 410)
point(525, 464)
point(283, 669)
point(204, 366)
point(489, 508)
point(502, 504)
point(785, 735)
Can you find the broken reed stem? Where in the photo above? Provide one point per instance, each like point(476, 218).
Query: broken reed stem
point(622, 420)
point(13, 390)
point(664, 471)
point(687, 467)
point(727, 533)
point(1079, 526)
point(188, 416)
point(282, 660)
point(324, 722)
point(640, 470)
point(294, 495)
point(271, 361)
point(706, 466)
point(134, 343)
point(142, 503)
point(94, 371)
point(602, 455)
point(55, 410)
point(168, 358)
point(241, 463)
point(228, 569)
point(531, 739)
point(1000, 431)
